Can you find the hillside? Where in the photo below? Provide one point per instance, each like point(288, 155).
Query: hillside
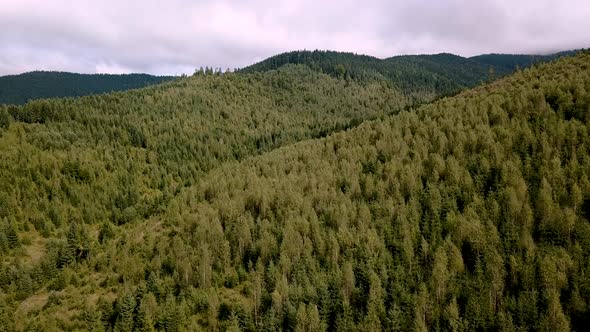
point(186, 206)
point(18, 89)
point(469, 214)
point(434, 75)
point(77, 173)
point(107, 161)
point(422, 77)
point(504, 64)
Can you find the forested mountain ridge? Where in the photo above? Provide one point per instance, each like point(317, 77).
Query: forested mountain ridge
point(504, 64)
point(434, 75)
point(152, 209)
point(78, 172)
point(83, 152)
point(18, 89)
point(470, 214)
point(423, 77)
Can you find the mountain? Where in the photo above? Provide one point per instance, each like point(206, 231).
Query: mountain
point(125, 152)
point(289, 199)
point(434, 75)
point(505, 64)
point(18, 89)
point(422, 77)
point(78, 173)
point(471, 213)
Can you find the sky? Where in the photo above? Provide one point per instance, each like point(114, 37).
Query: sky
point(176, 36)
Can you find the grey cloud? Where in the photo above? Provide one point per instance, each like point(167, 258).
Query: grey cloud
point(475, 27)
point(176, 36)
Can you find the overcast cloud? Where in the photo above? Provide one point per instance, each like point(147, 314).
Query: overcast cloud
point(176, 36)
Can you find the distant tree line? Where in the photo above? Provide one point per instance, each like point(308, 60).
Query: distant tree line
point(19, 89)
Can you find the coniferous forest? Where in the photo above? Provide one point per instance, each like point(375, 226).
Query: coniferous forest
point(18, 89)
point(307, 196)
point(419, 77)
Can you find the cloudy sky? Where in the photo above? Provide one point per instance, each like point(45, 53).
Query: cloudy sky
point(176, 36)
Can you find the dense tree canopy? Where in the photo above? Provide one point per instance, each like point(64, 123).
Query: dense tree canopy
point(18, 89)
point(261, 202)
point(507, 63)
point(75, 172)
point(421, 77)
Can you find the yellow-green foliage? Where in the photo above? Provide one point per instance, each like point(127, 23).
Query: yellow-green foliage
point(471, 213)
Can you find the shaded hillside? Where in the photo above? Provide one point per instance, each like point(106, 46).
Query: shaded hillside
point(422, 77)
point(18, 89)
point(507, 63)
point(337, 64)
point(434, 75)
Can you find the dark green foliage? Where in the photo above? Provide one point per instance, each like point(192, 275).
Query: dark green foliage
point(125, 311)
point(10, 233)
point(507, 63)
point(19, 89)
point(36, 111)
point(422, 77)
point(5, 117)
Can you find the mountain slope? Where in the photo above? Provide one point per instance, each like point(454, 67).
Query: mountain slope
point(434, 75)
point(470, 214)
point(77, 173)
point(422, 77)
point(507, 63)
point(18, 89)
point(123, 155)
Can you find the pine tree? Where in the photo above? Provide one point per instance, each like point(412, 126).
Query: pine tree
point(93, 319)
point(147, 313)
point(302, 324)
point(451, 316)
point(314, 320)
point(11, 234)
point(5, 118)
point(345, 320)
point(554, 319)
point(125, 312)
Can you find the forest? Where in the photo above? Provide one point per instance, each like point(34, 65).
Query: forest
point(420, 77)
point(19, 89)
point(290, 198)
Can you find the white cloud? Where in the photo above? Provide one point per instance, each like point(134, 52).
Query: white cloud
point(175, 36)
